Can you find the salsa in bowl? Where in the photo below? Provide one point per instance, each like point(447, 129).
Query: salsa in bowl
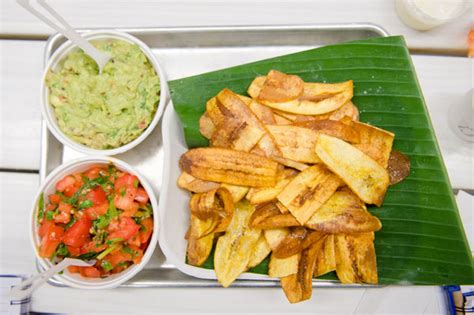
point(95, 208)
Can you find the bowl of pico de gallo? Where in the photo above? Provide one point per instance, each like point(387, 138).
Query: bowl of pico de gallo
point(95, 208)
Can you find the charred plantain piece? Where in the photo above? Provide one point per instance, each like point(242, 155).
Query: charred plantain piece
point(355, 258)
point(296, 241)
point(332, 128)
point(229, 166)
point(299, 287)
point(308, 191)
point(398, 167)
point(344, 213)
point(368, 179)
point(375, 142)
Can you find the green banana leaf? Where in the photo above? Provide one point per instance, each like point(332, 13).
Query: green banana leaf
point(422, 240)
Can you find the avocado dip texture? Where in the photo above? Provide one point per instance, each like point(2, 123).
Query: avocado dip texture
point(107, 110)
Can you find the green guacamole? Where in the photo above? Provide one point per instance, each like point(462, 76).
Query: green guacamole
point(108, 110)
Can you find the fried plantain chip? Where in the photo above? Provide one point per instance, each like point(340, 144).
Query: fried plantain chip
point(332, 128)
point(267, 216)
point(236, 134)
point(299, 287)
point(235, 247)
point(278, 268)
point(264, 113)
point(261, 195)
point(308, 191)
point(275, 236)
point(296, 143)
point(216, 204)
point(281, 87)
point(280, 120)
point(290, 163)
point(237, 192)
point(344, 213)
point(375, 142)
point(267, 146)
point(195, 185)
point(295, 242)
point(255, 87)
point(346, 110)
point(260, 252)
point(206, 126)
point(361, 173)
point(282, 207)
point(326, 259)
point(355, 258)
point(398, 167)
point(229, 166)
point(200, 240)
point(323, 106)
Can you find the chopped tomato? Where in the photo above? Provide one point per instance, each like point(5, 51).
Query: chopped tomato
point(135, 240)
point(70, 191)
point(78, 234)
point(62, 217)
point(54, 198)
point(130, 212)
point(43, 229)
point(114, 225)
point(124, 181)
point(52, 238)
point(92, 247)
point(127, 229)
point(74, 269)
point(147, 230)
point(141, 196)
point(65, 183)
point(74, 251)
point(90, 272)
point(65, 207)
point(96, 211)
point(118, 257)
point(97, 196)
point(94, 172)
point(79, 181)
point(125, 199)
point(50, 207)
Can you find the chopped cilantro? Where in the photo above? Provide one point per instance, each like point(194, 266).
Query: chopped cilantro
point(114, 240)
point(70, 223)
point(50, 215)
point(88, 256)
point(130, 251)
point(107, 251)
point(106, 265)
point(122, 191)
point(86, 204)
point(61, 251)
point(135, 183)
point(122, 264)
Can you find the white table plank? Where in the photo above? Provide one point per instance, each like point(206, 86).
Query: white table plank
point(20, 72)
point(122, 13)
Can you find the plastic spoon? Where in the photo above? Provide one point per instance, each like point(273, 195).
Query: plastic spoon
point(64, 28)
point(24, 289)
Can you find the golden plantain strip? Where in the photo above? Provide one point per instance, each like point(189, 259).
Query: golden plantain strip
point(314, 108)
point(361, 173)
point(299, 287)
point(278, 268)
point(346, 110)
point(344, 213)
point(296, 143)
point(289, 163)
point(282, 208)
point(236, 134)
point(264, 113)
point(206, 126)
point(355, 258)
point(235, 247)
point(229, 166)
point(332, 128)
point(237, 192)
point(280, 120)
point(261, 195)
point(260, 252)
point(195, 185)
point(275, 236)
point(326, 259)
point(375, 142)
point(216, 204)
point(281, 87)
point(255, 87)
point(308, 191)
point(200, 240)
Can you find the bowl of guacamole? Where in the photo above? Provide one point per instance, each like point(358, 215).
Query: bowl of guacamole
point(109, 112)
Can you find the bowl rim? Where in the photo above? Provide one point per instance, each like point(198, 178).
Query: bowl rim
point(48, 112)
point(123, 276)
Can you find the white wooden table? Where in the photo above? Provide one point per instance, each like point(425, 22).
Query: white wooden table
point(444, 79)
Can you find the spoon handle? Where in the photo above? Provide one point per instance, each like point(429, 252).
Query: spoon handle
point(20, 291)
point(64, 28)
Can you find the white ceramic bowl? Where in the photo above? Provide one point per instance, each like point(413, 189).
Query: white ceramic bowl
point(48, 112)
point(48, 187)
